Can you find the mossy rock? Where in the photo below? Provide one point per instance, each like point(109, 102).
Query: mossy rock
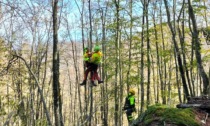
point(160, 115)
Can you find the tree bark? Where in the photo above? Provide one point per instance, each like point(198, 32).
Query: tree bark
point(91, 41)
point(182, 43)
point(148, 54)
point(116, 98)
point(142, 59)
point(104, 96)
point(159, 72)
point(56, 84)
point(162, 60)
point(178, 56)
point(197, 48)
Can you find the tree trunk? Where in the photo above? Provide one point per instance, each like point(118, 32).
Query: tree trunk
point(148, 54)
point(104, 107)
point(182, 43)
point(116, 98)
point(130, 42)
point(91, 41)
point(159, 72)
point(142, 59)
point(197, 50)
point(39, 90)
point(56, 95)
point(162, 60)
point(178, 56)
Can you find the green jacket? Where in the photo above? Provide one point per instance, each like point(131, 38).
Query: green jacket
point(96, 57)
point(86, 57)
point(132, 100)
point(129, 102)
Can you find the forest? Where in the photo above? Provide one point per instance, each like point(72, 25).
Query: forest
point(159, 48)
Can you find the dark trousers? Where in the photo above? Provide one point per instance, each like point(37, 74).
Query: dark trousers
point(95, 75)
point(129, 114)
point(93, 69)
point(89, 68)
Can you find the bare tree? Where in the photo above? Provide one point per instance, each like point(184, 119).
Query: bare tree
point(39, 89)
point(196, 40)
point(56, 84)
point(148, 52)
point(173, 31)
point(116, 99)
point(142, 57)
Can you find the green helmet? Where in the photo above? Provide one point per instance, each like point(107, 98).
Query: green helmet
point(96, 48)
point(86, 49)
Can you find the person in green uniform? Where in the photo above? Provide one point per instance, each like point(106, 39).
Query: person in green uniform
point(95, 59)
point(92, 61)
point(129, 106)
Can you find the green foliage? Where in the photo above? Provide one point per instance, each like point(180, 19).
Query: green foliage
point(206, 58)
point(186, 30)
point(41, 122)
point(166, 92)
point(137, 38)
point(184, 117)
point(2, 111)
point(198, 8)
point(196, 0)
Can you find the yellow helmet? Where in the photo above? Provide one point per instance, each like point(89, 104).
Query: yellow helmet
point(132, 91)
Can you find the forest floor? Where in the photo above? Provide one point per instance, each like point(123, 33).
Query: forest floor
point(202, 117)
point(164, 116)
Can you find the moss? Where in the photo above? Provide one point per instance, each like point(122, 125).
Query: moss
point(181, 117)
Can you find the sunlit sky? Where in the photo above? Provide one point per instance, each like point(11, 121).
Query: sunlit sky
point(70, 12)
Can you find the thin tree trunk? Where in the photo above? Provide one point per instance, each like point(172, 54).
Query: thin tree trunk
point(182, 43)
point(60, 99)
point(130, 42)
point(159, 72)
point(178, 56)
point(74, 52)
point(162, 60)
point(192, 76)
point(21, 106)
point(116, 99)
point(56, 95)
point(91, 89)
point(195, 38)
point(39, 90)
point(32, 91)
point(104, 110)
point(142, 59)
point(148, 54)
point(90, 21)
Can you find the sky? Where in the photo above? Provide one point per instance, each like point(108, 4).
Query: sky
point(71, 10)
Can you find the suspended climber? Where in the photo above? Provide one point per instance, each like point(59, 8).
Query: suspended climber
point(92, 61)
